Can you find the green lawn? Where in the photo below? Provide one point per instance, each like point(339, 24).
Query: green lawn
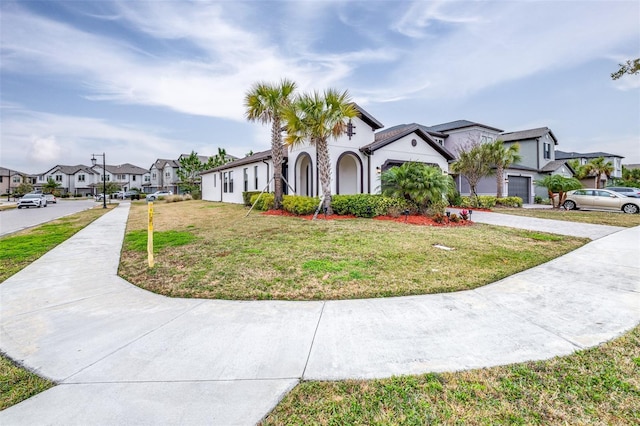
point(18, 384)
point(210, 250)
point(596, 386)
point(20, 249)
point(584, 216)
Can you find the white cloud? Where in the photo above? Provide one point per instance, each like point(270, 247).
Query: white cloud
point(44, 150)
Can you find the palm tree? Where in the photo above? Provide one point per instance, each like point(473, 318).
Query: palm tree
point(473, 163)
point(317, 118)
point(560, 185)
point(598, 167)
point(416, 182)
point(265, 103)
point(502, 157)
point(50, 186)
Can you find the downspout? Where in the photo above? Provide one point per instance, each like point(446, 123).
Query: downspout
point(267, 164)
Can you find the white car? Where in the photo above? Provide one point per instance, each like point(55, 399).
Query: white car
point(32, 200)
point(601, 199)
point(158, 194)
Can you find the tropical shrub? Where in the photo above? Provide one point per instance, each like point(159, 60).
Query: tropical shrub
point(300, 205)
point(438, 218)
point(369, 205)
point(246, 197)
point(509, 202)
point(436, 207)
point(557, 184)
point(264, 201)
point(482, 202)
point(454, 218)
point(417, 182)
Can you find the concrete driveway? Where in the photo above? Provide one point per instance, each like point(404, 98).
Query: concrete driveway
point(122, 355)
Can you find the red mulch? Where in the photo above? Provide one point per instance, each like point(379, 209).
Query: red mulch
point(412, 219)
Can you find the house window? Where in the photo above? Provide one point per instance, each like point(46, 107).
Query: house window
point(154, 176)
point(230, 181)
point(80, 178)
point(16, 179)
point(255, 177)
point(148, 178)
point(133, 178)
point(58, 178)
point(486, 139)
point(245, 174)
point(226, 182)
point(215, 179)
point(167, 174)
point(121, 177)
point(547, 151)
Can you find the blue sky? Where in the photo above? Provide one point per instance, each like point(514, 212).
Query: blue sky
point(155, 79)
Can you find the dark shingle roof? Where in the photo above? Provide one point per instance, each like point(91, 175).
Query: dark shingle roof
point(561, 155)
point(126, 169)
point(528, 134)
point(459, 124)
point(258, 156)
point(70, 170)
point(368, 118)
point(397, 133)
point(552, 166)
point(402, 127)
point(161, 162)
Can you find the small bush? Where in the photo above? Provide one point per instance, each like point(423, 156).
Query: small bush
point(436, 207)
point(454, 199)
point(509, 202)
point(483, 202)
point(264, 201)
point(537, 199)
point(454, 218)
point(246, 197)
point(300, 205)
point(438, 218)
point(369, 205)
point(176, 198)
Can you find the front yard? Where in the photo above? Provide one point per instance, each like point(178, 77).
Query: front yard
point(210, 250)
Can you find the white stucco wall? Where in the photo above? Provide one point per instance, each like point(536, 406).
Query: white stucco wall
point(213, 183)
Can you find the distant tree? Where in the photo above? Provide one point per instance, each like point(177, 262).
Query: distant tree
point(249, 154)
point(630, 177)
point(111, 187)
point(24, 188)
point(50, 186)
point(189, 174)
point(217, 160)
point(265, 102)
point(474, 163)
point(502, 157)
point(416, 182)
point(598, 167)
point(578, 169)
point(316, 118)
point(631, 67)
point(558, 184)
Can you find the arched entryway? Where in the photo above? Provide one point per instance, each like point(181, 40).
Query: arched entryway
point(349, 174)
point(304, 175)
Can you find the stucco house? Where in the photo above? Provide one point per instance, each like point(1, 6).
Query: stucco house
point(75, 180)
point(357, 158)
point(127, 176)
point(365, 151)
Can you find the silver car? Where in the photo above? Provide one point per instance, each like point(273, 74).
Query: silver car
point(601, 199)
point(158, 194)
point(32, 200)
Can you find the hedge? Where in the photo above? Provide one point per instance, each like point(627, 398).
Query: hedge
point(264, 203)
point(368, 205)
point(300, 205)
point(246, 197)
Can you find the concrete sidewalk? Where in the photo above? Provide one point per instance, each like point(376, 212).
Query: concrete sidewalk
point(122, 355)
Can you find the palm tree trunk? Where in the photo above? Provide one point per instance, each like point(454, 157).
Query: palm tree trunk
point(499, 181)
point(276, 155)
point(324, 172)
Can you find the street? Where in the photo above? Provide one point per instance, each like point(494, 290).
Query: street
point(16, 219)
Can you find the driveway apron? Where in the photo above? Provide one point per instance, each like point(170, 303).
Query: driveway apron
point(122, 355)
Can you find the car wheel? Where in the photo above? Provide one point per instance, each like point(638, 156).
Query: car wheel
point(630, 208)
point(19, 207)
point(569, 205)
point(45, 205)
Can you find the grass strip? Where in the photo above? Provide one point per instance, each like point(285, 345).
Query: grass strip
point(20, 249)
point(582, 216)
point(596, 386)
point(18, 384)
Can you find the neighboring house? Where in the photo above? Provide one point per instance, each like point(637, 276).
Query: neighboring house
point(584, 158)
point(74, 180)
point(163, 175)
point(126, 175)
point(357, 158)
point(11, 179)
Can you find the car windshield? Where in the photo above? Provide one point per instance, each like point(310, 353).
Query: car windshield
point(32, 196)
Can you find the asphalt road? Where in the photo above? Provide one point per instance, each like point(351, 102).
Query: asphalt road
point(17, 219)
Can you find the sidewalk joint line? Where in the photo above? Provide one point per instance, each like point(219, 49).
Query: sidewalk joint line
point(304, 370)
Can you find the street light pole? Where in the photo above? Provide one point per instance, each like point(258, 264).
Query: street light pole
point(104, 177)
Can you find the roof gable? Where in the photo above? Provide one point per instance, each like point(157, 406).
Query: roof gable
point(561, 155)
point(459, 124)
point(528, 134)
point(397, 133)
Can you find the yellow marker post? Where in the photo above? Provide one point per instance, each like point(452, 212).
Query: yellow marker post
point(150, 235)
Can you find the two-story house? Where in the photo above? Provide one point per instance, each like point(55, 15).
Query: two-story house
point(584, 158)
point(127, 176)
point(74, 180)
point(163, 175)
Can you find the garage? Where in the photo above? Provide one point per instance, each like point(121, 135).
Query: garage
point(520, 186)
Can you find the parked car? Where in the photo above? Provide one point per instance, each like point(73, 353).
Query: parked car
point(601, 199)
point(134, 195)
point(32, 200)
point(629, 192)
point(158, 194)
point(51, 199)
